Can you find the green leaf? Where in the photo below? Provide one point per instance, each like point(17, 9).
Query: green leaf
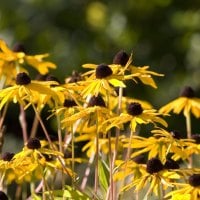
point(103, 175)
point(69, 193)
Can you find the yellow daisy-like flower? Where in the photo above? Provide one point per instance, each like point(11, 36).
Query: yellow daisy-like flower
point(135, 115)
point(27, 92)
point(95, 113)
point(187, 102)
point(160, 144)
point(187, 191)
point(101, 80)
point(10, 60)
point(35, 157)
point(28, 164)
point(156, 175)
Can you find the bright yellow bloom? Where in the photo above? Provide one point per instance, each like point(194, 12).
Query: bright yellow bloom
point(12, 62)
point(28, 92)
point(95, 113)
point(136, 115)
point(154, 177)
point(187, 103)
point(189, 191)
point(101, 81)
point(160, 144)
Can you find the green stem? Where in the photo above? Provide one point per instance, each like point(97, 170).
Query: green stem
point(96, 181)
point(34, 127)
point(73, 157)
point(111, 168)
point(126, 161)
point(117, 138)
point(23, 123)
point(189, 135)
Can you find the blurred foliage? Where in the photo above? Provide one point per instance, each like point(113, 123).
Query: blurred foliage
point(164, 34)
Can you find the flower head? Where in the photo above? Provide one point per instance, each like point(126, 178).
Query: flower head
point(186, 102)
point(135, 115)
point(13, 62)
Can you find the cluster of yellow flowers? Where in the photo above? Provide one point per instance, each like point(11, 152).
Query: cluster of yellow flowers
point(91, 108)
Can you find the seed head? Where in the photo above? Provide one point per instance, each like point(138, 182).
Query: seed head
point(154, 165)
point(121, 58)
point(7, 156)
point(187, 92)
point(23, 79)
point(103, 71)
point(194, 180)
point(134, 109)
point(96, 101)
point(34, 143)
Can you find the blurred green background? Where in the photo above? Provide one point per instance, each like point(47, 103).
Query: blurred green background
point(164, 34)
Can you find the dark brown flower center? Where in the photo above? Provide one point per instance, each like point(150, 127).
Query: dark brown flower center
point(196, 137)
point(154, 165)
point(7, 156)
point(69, 103)
point(75, 77)
point(171, 164)
point(52, 78)
point(18, 47)
point(134, 109)
point(3, 196)
point(96, 101)
point(34, 143)
point(103, 71)
point(121, 58)
point(23, 79)
point(187, 92)
point(176, 134)
point(194, 180)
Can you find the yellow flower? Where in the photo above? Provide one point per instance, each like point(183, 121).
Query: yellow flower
point(187, 102)
point(160, 144)
point(155, 175)
point(135, 115)
point(27, 92)
point(12, 61)
point(101, 81)
point(96, 112)
point(189, 191)
point(33, 160)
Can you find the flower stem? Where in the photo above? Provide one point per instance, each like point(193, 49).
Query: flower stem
point(111, 168)
point(189, 134)
point(96, 181)
point(34, 127)
point(23, 123)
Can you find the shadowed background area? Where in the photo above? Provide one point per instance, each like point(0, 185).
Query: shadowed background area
point(164, 34)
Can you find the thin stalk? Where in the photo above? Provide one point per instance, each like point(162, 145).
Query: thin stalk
point(34, 127)
point(189, 134)
point(87, 171)
point(23, 123)
point(111, 190)
point(59, 133)
point(73, 157)
point(117, 138)
point(96, 181)
point(127, 156)
point(49, 140)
